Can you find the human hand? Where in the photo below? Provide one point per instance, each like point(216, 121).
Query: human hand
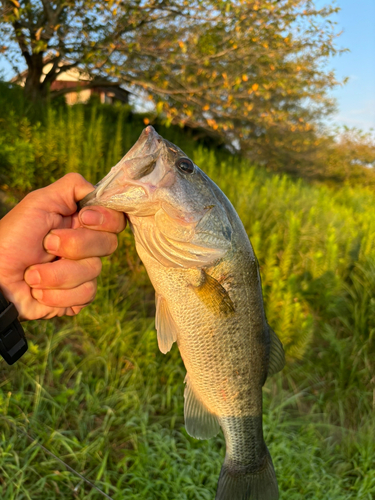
point(50, 254)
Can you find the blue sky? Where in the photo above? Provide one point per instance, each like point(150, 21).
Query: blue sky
point(356, 100)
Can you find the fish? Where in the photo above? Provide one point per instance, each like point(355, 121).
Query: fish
point(208, 300)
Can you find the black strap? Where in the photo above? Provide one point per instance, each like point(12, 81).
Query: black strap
point(13, 343)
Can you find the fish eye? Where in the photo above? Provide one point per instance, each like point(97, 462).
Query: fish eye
point(185, 165)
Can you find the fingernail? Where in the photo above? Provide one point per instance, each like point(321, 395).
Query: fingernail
point(33, 277)
point(92, 218)
point(51, 242)
point(37, 294)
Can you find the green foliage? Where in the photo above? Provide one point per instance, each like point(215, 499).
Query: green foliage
point(348, 155)
point(38, 145)
point(96, 391)
point(17, 154)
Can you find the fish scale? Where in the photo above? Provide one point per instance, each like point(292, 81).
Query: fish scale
point(209, 299)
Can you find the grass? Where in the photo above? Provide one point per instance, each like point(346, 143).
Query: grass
point(96, 391)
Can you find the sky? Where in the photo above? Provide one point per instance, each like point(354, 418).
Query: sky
point(356, 100)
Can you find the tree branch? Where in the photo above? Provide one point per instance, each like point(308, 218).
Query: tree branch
point(21, 40)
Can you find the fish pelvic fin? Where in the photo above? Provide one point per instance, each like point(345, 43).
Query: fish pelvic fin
point(248, 484)
point(277, 355)
point(200, 423)
point(165, 326)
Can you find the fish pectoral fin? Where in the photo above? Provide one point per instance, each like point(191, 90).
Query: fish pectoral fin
point(277, 355)
point(165, 326)
point(199, 422)
point(213, 294)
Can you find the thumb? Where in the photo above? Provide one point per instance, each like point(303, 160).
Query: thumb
point(64, 194)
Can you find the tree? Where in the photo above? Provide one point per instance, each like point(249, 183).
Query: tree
point(64, 34)
point(249, 72)
point(348, 156)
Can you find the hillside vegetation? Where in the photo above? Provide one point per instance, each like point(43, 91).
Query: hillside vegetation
point(96, 391)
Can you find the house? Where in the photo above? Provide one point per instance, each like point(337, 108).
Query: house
point(77, 80)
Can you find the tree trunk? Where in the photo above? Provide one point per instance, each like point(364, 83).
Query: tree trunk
point(34, 88)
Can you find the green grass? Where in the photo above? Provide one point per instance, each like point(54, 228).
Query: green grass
point(96, 391)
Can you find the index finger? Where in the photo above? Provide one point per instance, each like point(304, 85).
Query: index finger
point(102, 219)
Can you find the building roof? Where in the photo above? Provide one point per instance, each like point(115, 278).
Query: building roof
point(76, 79)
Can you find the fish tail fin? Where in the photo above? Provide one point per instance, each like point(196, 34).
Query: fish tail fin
point(261, 485)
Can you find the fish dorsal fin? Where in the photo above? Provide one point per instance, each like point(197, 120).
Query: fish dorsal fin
point(165, 326)
point(199, 422)
point(277, 355)
point(213, 294)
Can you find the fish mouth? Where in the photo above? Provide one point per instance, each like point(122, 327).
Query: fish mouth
point(86, 200)
point(149, 141)
point(119, 194)
point(123, 176)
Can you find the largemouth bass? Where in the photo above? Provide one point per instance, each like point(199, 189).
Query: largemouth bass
point(208, 300)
